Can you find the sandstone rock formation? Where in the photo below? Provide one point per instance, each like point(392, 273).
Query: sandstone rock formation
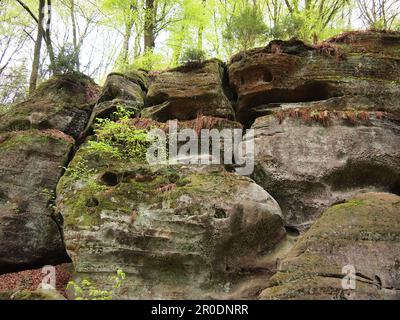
point(38, 295)
point(30, 165)
point(287, 72)
point(326, 121)
point(177, 231)
point(363, 232)
point(35, 145)
point(308, 162)
point(128, 86)
point(126, 90)
point(63, 103)
point(184, 92)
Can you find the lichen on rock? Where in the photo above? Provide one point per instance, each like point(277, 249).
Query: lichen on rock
point(63, 103)
point(176, 231)
point(364, 233)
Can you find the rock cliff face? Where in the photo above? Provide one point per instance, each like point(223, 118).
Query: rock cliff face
point(177, 231)
point(324, 161)
point(323, 195)
point(185, 92)
point(362, 233)
point(63, 103)
point(30, 166)
point(36, 143)
point(365, 65)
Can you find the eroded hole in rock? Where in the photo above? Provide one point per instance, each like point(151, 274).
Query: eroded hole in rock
point(156, 99)
point(378, 281)
point(110, 179)
point(365, 174)
point(338, 202)
point(92, 202)
point(308, 92)
point(220, 214)
point(395, 189)
point(268, 76)
point(292, 231)
point(255, 75)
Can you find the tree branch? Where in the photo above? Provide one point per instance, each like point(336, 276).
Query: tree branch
point(28, 10)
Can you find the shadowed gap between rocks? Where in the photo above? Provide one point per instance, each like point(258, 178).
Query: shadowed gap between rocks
point(312, 91)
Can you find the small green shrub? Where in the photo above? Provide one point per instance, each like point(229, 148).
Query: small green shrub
point(81, 172)
point(66, 61)
point(122, 113)
point(246, 28)
point(148, 61)
point(121, 139)
point(86, 290)
point(104, 147)
point(192, 55)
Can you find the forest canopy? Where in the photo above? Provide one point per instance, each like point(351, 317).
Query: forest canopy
point(40, 38)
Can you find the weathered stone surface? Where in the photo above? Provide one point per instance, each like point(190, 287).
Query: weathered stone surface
point(385, 43)
point(184, 92)
point(30, 166)
point(63, 103)
point(292, 72)
point(177, 231)
point(110, 110)
point(126, 90)
point(309, 161)
point(125, 87)
point(106, 109)
point(25, 295)
point(363, 232)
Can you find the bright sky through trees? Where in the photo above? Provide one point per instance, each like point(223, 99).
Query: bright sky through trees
point(99, 36)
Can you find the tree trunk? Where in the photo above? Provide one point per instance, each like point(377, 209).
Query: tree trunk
point(74, 35)
point(38, 45)
point(177, 51)
point(200, 38)
point(200, 30)
point(49, 45)
point(149, 26)
point(45, 33)
point(127, 38)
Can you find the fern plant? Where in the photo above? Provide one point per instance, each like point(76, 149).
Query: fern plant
point(86, 290)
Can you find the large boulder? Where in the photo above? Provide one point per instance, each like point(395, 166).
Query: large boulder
point(63, 103)
point(352, 252)
point(187, 91)
point(356, 64)
point(309, 160)
point(176, 231)
point(30, 165)
point(131, 87)
point(121, 90)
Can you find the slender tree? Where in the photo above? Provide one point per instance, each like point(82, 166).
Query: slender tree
point(379, 14)
point(44, 31)
point(149, 26)
point(38, 45)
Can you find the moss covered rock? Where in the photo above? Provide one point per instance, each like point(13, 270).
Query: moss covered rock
point(125, 87)
point(177, 231)
point(310, 160)
point(184, 92)
point(30, 165)
point(364, 233)
point(63, 103)
point(362, 64)
point(33, 295)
